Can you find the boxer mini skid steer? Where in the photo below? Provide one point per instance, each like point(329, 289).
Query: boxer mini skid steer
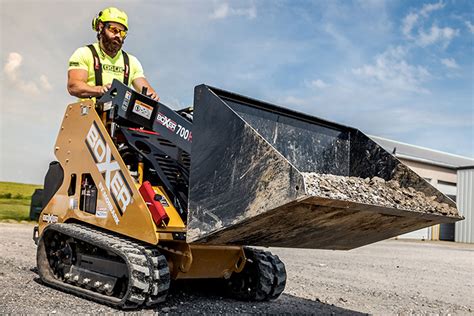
point(142, 194)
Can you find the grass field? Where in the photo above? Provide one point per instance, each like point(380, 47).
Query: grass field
point(15, 200)
point(15, 189)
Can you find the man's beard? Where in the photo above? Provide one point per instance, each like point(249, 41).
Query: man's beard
point(111, 45)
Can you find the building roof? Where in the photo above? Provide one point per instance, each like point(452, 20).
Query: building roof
point(422, 154)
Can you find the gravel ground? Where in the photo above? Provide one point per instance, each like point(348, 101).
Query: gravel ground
point(389, 277)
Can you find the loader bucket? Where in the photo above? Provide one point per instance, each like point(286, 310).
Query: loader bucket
point(263, 175)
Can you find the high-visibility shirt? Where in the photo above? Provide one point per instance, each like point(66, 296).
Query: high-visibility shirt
point(112, 68)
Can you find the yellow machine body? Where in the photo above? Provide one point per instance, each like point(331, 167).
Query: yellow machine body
point(84, 147)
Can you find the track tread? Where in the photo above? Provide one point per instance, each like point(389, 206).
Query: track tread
point(159, 271)
point(140, 271)
point(160, 276)
point(263, 277)
point(279, 275)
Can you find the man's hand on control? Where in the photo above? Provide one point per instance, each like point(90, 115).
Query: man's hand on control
point(152, 94)
point(140, 83)
point(104, 88)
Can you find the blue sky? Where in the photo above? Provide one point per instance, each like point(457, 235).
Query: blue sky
point(402, 70)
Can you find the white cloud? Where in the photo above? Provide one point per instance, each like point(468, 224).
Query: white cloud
point(12, 69)
point(392, 71)
point(408, 24)
point(412, 18)
point(318, 83)
point(470, 26)
point(224, 10)
point(428, 8)
point(220, 12)
point(450, 63)
point(436, 34)
point(413, 27)
point(295, 101)
point(45, 83)
point(13, 63)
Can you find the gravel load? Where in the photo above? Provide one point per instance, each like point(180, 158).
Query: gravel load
point(375, 191)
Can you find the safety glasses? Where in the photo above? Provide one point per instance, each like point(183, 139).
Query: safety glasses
point(115, 30)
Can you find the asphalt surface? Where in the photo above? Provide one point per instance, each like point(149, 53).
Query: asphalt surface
point(390, 277)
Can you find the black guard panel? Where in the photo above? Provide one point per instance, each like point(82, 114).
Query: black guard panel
point(52, 181)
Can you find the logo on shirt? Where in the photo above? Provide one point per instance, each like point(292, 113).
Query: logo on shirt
point(112, 68)
point(73, 63)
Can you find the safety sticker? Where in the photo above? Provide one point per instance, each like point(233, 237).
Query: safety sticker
point(50, 218)
point(126, 100)
point(142, 109)
point(107, 106)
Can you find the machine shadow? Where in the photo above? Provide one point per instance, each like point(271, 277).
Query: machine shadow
point(209, 296)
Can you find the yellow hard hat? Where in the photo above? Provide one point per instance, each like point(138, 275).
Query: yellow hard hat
point(110, 14)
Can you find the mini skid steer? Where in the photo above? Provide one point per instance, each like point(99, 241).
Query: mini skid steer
point(141, 195)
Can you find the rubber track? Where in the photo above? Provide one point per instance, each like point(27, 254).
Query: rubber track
point(279, 275)
point(158, 267)
point(264, 274)
point(140, 282)
point(263, 277)
point(160, 273)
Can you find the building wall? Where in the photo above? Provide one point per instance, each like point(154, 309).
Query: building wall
point(434, 173)
point(444, 179)
point(440, 169)
point(465, 229)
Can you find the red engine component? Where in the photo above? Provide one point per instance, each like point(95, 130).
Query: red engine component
point(153, 202)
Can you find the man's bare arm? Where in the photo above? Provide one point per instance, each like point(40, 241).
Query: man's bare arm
point(77, 85)
point(141, 82)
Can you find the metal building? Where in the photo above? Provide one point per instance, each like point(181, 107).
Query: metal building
point(465, 200)
point(440, 169)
